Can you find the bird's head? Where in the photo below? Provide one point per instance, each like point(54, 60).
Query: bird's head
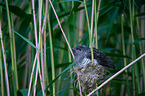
point(80, 50)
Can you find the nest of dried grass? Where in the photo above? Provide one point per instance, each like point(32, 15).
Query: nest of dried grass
point(90, 75)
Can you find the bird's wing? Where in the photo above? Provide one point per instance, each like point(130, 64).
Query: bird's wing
point(97, 54)
point(101, 58)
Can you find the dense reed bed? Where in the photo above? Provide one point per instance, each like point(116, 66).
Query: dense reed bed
point(37, 36)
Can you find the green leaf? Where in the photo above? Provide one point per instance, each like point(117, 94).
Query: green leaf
point(28, 41)
point(23, 30)
point(16, 10)
point(24, 92)
point(19, 93)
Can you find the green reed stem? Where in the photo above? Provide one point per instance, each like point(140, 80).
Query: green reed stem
point(135, 67)
point(52, 55)
point(124, 51)
point(1, 71)
point(1, 67)
point(89, 30)
point(14, 68)
point(96, 32)
point(14, 52)
point(96, 29)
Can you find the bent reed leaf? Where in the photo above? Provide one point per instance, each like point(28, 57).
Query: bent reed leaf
point(25, 39)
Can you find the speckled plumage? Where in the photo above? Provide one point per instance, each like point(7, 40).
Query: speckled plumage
point(83, 57)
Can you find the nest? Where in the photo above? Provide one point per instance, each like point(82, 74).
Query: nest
point(90, 75)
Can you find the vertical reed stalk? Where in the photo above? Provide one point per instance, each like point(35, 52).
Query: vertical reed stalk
point(31, 50)
point(1, 71)
point(45, 76)
point(14, 66)
point(41, 48)
point(51, 53)
point(36, 42)
point(14, 51)
point(40, 36)
point(32, 57)
point(30, 82)
point(124, 51)
point(35, 83)
point(45, 64)
point(96, 21)
point(5, 64)
point(38, 46)
point(89, 30)
point(135, 67)
point(1, 64)
point(95, 30)
point(92, 18)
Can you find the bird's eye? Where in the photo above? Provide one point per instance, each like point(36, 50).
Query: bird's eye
point(78, 49)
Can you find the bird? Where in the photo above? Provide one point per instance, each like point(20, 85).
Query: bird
point(82, 56)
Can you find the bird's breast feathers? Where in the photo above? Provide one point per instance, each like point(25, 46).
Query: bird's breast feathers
point(86, 61)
